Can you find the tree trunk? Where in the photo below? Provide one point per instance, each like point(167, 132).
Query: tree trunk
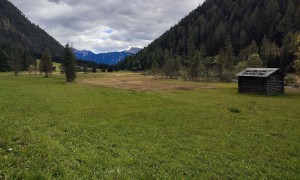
point(46, 75)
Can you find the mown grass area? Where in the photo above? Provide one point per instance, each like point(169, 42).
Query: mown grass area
point(49, 129)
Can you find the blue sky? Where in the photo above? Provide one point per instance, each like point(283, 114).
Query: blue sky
point(106, 25)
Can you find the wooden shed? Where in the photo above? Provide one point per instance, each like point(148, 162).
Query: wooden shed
point(267, 81)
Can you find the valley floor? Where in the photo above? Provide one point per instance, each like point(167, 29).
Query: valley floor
point(124, 125)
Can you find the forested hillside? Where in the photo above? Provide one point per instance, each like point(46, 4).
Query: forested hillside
point(221, 37)
point(21, 38)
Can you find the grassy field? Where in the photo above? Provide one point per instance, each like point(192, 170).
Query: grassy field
point(91, 129)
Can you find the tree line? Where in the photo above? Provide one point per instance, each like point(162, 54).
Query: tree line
point(17, 59)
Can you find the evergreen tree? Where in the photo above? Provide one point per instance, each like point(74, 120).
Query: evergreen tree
point(46, 63)
point(194, 69)
point(297, 19)
point(253, 49)
point(255, 24)
point(297, 54)
point(271, 14)
point(85, 69)
point(228, 54)
point(220, 65)
point(288, 50)
point(155, 68)
point(167, 67)
point(26, 60)
point(16, 60)
point(236, 38)
point(208, 63)
point(35, 65)
point(69, 64)
point(196, 65)
point(263, 51)
point(4, 65)
point(110, 69)
point(287, 23)
point(176, 67)
point(94, 68)
point(241, 66)
point(243, 39)
point(254, 61)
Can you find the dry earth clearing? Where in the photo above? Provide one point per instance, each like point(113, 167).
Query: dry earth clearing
point(141, 82)
point(136, 81)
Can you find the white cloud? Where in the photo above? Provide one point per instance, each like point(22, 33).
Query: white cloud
point(106, 25)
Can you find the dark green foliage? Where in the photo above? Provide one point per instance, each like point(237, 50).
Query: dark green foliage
point(290, 80)
point(195, 67)
point(208, 63)
point(171, 66)
point(288, 50)
point(69, 64)
point(85, 69)
point(155, 68)
point(243, 39)
point(46, 63)
point(232, 29)
point(4, 59)
point(263, 51)
point(254, 61)
point(16, 59)
point(17, 30)
point(94, 69)
point(110, 69)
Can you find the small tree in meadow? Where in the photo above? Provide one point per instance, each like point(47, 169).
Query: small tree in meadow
point(155, 68)
point(85, 69)
point(16, 60)
point(94, 69)
point(46, 63)
point(69, 64)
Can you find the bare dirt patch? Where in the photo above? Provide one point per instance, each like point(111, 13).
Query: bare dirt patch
point(141, 82)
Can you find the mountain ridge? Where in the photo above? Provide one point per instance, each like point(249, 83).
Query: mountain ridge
point(217, 27)
point(16, 30)
point(105, 58)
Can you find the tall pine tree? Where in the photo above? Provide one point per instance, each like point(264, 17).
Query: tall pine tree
point(69, 64)
point(4, 65)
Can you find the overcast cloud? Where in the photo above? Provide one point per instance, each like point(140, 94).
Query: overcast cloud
point(106, 25)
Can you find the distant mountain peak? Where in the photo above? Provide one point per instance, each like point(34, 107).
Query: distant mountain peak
point(83, 53)
point(134, 50)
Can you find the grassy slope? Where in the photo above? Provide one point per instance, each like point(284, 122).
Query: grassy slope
point(50, 129)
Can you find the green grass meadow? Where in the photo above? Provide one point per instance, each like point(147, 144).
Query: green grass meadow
point(53, 130)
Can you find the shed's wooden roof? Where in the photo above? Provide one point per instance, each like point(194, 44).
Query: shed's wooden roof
point(257, 72)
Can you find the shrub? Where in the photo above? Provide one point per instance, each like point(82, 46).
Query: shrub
point(226, 76)
point(234, 110)
point(290, 80)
